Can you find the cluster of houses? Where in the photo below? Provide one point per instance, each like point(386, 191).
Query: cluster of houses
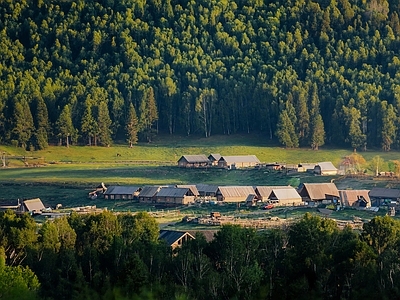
point(251, 161)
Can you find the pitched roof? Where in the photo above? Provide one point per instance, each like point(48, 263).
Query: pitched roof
point(172, 192)
point(214, 156)
point(34, 204)
point(192, 187)
point(349, 197)
point(195, 158)
point(319, 191)
point(149, 191)
point(265, 191)
point(287, 193)
point(172, 236)
point(208, 234)
point(250, 198)
point(121, 190)
point(240, 159)
point(384, 193)
point(236, 191)
point(207, 188)
point(326, 166)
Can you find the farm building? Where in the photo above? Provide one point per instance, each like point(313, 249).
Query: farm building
point(32, 206)
point(383, 196)
point(10, 205)
point(234, 193)
point(318, 192)
point(148, 194)
point(214, 158)
point(175, 196)
point(193, 161)
point(192, 187)
point(354, 198)
point(207, 190)
point(236, 162)
point(263, 192)
point(325, 168)
point(306, 167)
point(287, 196)
point(175, 238)
point(126, 192)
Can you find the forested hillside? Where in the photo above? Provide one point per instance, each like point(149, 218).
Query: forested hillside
point(302, 72)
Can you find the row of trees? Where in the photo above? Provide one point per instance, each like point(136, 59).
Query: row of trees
point(303, 72)
point(105, 256)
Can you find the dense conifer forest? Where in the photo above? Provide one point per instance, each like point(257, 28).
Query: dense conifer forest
point(305, 73)
point(107, 256)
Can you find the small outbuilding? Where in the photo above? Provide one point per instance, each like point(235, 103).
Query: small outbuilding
point(126, 192)
point(325, 168)
point(354, 198)
point(236, 162)
point(193, 161)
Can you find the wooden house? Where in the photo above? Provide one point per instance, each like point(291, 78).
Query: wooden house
point(234, 193)
point(354, 198)
point(175, 196)
point(318, 192)
point(263, 192)
point(287, 196)
point(192, 187)
point(174, 238)
point(214, 158)
point(193, 161)
point(325, 168)
point(32, 206)
point(306, 167)
point(148, 194)
point(207, 190)
point(383, 196)
point(126, 192)
point(236, 162)
point(10, 205)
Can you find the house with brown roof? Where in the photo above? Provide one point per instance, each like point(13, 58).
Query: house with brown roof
point(384, 196)
point(240, 161)
point(175, 238)
point(318, 192)
point(214, 158)
point(354, 198)
point(234, 193)
point(175, 196)
point(193, 161)
point(32, 206)
point(192, 187)
point(287, 196)
point(263, 192)
point(125, 192)
point(325, 168)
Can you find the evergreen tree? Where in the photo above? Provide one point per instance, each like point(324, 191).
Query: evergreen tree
point(388, 125)
point(41, 121)
point(65, 127)
point(23, 123)
point(104, 125)
point(286, 132)
point(352, 119)
point(317, 131)
point(132, 126)
point(148, 114)
point(88, 123)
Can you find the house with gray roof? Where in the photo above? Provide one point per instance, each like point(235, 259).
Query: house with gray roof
point(263, 192)
point(207, 190)
point(32, 206)
point(234, 193)
point(287, 196)
point(175, 196)
point(148, 194)
point(239, 161)
point(214, 158)
point(384, 196)
point(124, 192)
point(193, 161)
point(325, 168)
point(175, 238)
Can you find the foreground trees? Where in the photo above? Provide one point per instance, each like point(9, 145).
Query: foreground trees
point(104, 255)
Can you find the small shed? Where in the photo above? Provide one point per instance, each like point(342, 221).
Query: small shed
point(234, 193)
point(325, 168)
point(148, 194)
point(318, 192)
point(354, 198)
point(214, 158)
point(236, 162)
point(33, 206)
point(207, 190)
point(126, 192)
point(384, 196)
point(193, 161)
point(306, 167)
point(287, 196)
point(175, 238)
point(175, 196)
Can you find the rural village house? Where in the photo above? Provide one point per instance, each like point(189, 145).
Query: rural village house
point(236, 162)
point(175, 196)
point(126, 192)
point(193, 161)
point(234, 193)
point(175, 238)
point(214, 158)
point(354, 198)
point(263, 192)
point(149, 194)
point(32, 206)
point(286, 196)
point(192, 187)
point(325, 168)
point(207, 190)
point(318, 192)
point(383, 196)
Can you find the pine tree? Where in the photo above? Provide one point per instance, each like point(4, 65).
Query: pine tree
point(388, 125)
point(148, 114)
point(286, 131)
point(132, 126)
point(65, 127)
point(317, 131)
point(88, 123)
point(23, 123)
point(41, 121)
point(104, 125)
point(352, 119)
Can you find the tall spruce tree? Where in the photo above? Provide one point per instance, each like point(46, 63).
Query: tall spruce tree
point(65, 127)
point(23, 126)
point(148, 114)
point(104, 125)
point(132, 126)
point(88, 123)
point(317, 131)
point(41, 121)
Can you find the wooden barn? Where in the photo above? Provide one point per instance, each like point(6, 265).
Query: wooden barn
point(234, 193)
point(214, 158)
point(32, 206)
point(263, 192)
point(236, 162)
point(325, 168)
point(207, 190)
point(149, 194)
point(318, 192)
point(192, 187)
point(354, 198)
point(384, 196)
point(287, 196)
point(125, 192)
point(175, 238)
point(193, 161)
point(175, 196)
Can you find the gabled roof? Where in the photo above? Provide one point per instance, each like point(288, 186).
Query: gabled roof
point(349, 197)
point(207, 188)
point(240, 159)
point(265, 191)
point(34, 204)
point(121, 190)
point(326, 166)
point(195, 158)
point(149, 191)
point(319, 191)
point(192, 187)
point(214, 156)
point(288, 193)
point(384, 193)
point(171, 236)
point(173, 192)
point(236, 191)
